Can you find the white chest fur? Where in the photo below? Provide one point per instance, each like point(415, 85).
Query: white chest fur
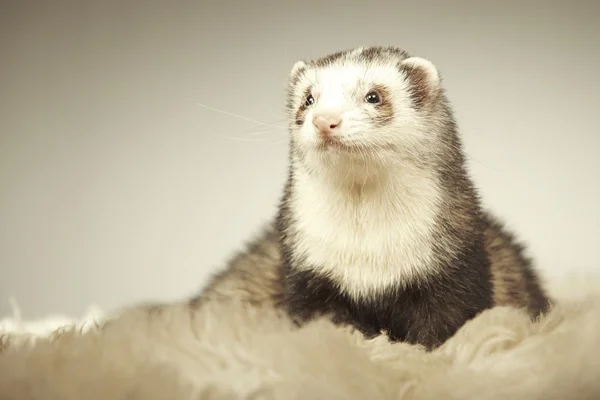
point(370, 241)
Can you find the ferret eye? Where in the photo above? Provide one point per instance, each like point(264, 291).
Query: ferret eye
point(309, 100)
point(373, 97)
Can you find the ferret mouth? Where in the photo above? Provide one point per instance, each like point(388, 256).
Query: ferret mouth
point(329, 143)
point(336, 146)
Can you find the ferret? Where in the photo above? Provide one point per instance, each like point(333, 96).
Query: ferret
point(379, 226)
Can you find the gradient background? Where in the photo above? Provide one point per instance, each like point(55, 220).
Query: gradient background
point(115, 186)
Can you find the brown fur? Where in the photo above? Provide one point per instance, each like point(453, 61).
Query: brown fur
point(385, 109)
point(515, 282)
point(253, 275)
point(302, 110)
point(420, 89)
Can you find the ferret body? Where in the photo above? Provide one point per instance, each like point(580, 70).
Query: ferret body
point(380, 226)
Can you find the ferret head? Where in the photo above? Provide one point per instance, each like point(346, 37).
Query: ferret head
point(369, 105)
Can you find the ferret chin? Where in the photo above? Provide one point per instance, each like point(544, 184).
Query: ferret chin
point(380, 226)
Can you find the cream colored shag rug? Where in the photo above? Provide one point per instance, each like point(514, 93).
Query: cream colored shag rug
point(227, 351)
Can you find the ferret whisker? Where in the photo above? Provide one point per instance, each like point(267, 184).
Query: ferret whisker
point(364, 158)
point(271, 125)
point(273, 114)
point(271, 131)
point(381, 162)
point(277, 143)
point(238, 116)
point(343, 181)
point(266, 127)
point(241, 139)
point(485, 165)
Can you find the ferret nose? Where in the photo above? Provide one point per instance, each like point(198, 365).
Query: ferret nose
point(326, 122)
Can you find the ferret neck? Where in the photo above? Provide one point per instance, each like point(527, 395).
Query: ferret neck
point(361, 183)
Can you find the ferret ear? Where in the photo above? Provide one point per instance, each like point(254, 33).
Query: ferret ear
point(423, 77)
point(298, 66)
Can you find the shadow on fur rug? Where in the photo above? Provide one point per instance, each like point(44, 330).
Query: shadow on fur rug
point(226, 351)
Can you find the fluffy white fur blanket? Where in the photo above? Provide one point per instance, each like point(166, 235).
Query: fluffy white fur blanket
point(226, 351)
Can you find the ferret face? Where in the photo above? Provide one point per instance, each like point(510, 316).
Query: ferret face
point(367, 102)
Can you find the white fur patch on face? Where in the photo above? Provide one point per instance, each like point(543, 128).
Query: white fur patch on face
point(369, 243)
point(342, 88)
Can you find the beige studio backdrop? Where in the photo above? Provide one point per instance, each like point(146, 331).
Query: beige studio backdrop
point(116, 186)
